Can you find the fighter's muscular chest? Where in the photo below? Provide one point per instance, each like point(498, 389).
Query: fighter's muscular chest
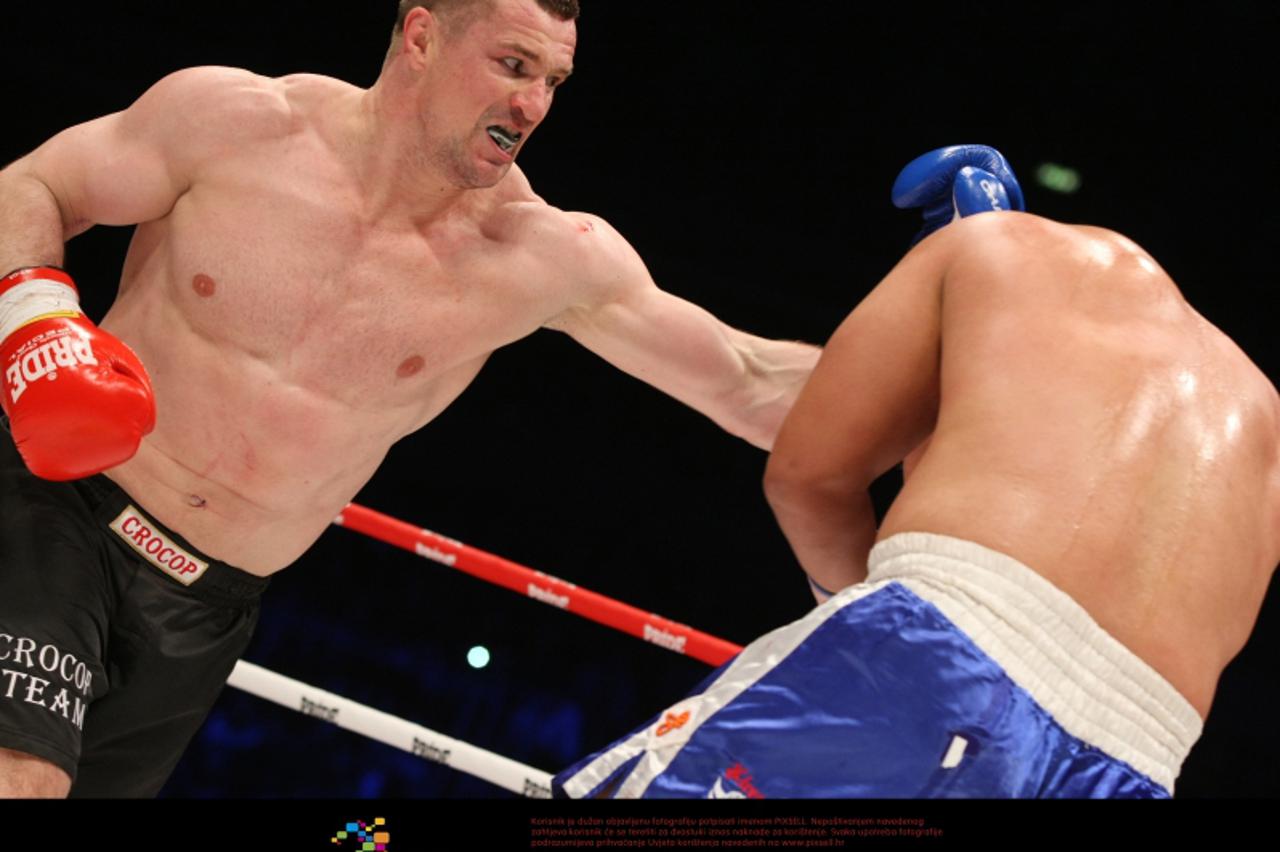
point(285, 266)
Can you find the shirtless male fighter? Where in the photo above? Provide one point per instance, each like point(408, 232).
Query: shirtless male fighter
point(1089, 523)
point(320, 270)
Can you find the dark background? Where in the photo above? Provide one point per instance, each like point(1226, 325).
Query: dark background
point(747, 152)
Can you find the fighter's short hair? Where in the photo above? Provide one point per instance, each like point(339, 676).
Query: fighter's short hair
point(565, 10)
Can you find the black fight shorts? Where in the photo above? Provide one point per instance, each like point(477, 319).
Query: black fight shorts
point(116, 636)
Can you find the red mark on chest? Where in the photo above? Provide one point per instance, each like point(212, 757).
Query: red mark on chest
point(204, 286)
point(410, 367)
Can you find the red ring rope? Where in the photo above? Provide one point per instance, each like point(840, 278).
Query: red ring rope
point(501, 572)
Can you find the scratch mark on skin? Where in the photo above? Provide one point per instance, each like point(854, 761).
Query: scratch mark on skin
point(249, 456)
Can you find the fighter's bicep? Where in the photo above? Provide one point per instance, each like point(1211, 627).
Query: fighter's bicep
point(101, 174)
point(132, 166)
point(622, 315)
point(660, 339)
point(874, 394)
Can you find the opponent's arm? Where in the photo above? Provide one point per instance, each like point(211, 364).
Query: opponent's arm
point(872, 399)
point(746, 384)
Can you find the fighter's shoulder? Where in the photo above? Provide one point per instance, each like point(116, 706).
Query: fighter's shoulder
point(1029, 230)
point(581, 242)
point(1030, 244)
point(974, 231)
point(213, 102)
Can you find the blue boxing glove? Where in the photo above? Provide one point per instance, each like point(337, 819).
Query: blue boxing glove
point(957, 181)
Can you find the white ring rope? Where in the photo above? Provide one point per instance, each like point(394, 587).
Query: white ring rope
point(392, 730)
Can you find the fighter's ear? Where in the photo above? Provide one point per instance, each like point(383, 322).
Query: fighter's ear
point(421, 28)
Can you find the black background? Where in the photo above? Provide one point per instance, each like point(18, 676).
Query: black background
point(746, 151)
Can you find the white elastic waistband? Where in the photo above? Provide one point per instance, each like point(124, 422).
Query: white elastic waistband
point(1097, 689)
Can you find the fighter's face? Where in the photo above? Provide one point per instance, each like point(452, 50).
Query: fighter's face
point(495, 85)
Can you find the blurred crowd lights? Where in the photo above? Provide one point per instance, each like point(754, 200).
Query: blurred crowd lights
point(1058, 178)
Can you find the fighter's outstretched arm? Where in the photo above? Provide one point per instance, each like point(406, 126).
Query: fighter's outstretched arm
point(746, 384)
point(872, 399)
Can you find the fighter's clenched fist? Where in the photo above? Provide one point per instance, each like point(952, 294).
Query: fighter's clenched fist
point(78, 399)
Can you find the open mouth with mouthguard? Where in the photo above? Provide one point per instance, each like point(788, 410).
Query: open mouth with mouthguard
point(504, 138)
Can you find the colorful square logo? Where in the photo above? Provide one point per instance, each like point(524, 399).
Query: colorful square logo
point(363, 836)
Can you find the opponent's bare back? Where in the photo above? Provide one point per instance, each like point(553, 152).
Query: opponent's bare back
point(1085, 420)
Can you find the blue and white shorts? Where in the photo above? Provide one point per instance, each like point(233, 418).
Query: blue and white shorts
point(953, 671)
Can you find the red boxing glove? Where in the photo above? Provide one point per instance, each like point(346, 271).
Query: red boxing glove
point(78, 400)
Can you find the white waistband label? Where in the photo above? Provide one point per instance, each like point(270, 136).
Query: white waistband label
point(157, 548)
